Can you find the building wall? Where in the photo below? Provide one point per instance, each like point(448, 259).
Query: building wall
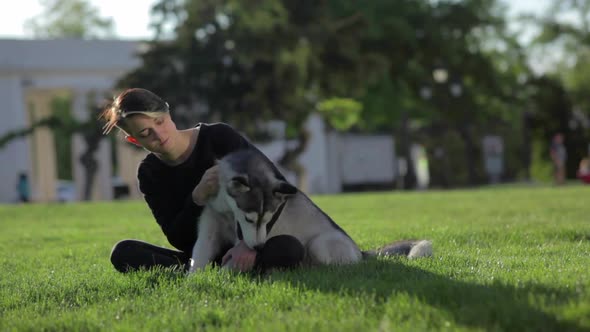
point(79, 66)
point(67, 55)
point(333, 160)
point(14, 157)
point(366, 159)
point(43, 167)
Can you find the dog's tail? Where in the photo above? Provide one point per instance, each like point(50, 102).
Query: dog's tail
point(408, 248)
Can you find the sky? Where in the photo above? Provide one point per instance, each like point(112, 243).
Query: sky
point(135, 26)
point(131, 17)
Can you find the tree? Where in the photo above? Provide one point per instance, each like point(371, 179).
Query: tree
point(11, 135)
point(564, 88)
point(69, 19)
point(66, 125)
point(247, 62)
point(466, 42)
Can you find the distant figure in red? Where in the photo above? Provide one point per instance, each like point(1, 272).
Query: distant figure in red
point(584, 170)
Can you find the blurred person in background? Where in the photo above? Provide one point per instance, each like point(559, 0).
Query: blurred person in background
point(177, 178)
point(558, 155)
point(23, 188)
point(584, 170)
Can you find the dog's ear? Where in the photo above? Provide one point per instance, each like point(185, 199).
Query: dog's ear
point(238, 185)
point(285, 189)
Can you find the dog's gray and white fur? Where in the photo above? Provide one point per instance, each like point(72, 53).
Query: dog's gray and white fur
point(251, 192)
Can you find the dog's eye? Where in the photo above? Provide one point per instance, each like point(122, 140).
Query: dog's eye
point(238, 185)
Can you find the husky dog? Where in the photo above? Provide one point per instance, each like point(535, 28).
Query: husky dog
point(254, 199)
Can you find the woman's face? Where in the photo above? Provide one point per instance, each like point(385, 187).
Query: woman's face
point(155, 134)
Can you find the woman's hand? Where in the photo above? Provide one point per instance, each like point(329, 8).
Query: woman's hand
point(207, 187)
point(241, 256)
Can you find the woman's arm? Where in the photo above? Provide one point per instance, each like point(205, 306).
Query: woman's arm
point(179, 221)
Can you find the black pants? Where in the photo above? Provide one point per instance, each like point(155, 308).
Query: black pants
point(282, 251)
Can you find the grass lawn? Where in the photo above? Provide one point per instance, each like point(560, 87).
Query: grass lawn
point(505, 259)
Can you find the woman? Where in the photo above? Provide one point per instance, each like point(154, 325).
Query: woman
point(177, 178)
point(558, 155)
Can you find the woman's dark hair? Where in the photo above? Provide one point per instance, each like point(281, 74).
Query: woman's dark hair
point(129, 102)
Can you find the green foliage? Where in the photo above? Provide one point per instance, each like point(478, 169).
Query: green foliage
point(577, 80)
point(69, 19)
point(384, 102)
point(276, 58)
point(565, 29)
point(558, 27)
point(259, 18)
point(244, 61)
point(20, 133)
point(496, 253)
point(541, 168)
point(341, 113)
point(249, 62)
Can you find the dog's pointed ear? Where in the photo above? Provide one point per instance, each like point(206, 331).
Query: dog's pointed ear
point(285, 189)
point(238, 185)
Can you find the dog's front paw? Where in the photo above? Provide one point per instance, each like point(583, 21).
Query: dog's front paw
point(196, 265)
point(191, 267)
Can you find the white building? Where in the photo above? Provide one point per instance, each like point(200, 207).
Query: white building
point(33, 72)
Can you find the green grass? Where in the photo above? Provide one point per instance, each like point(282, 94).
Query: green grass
point(505, 259)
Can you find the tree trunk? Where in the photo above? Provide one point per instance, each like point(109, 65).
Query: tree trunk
point(289, 160)
point(470, 152)
point(90, 168)
point(526, 145)
point(87, 160)
point(409, 180)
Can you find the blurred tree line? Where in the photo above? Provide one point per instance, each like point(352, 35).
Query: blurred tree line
point(442, 73)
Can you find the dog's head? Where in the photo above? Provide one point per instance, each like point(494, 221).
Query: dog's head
point(255, 190)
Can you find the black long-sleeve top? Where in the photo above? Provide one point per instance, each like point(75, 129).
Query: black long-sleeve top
point(168, 189)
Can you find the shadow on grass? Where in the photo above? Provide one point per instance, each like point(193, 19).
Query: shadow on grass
point(577, 236)
point(494, 306)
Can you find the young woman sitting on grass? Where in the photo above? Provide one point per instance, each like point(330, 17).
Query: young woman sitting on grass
point(177, 178)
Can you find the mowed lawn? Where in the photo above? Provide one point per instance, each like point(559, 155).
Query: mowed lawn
point(510, 259)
